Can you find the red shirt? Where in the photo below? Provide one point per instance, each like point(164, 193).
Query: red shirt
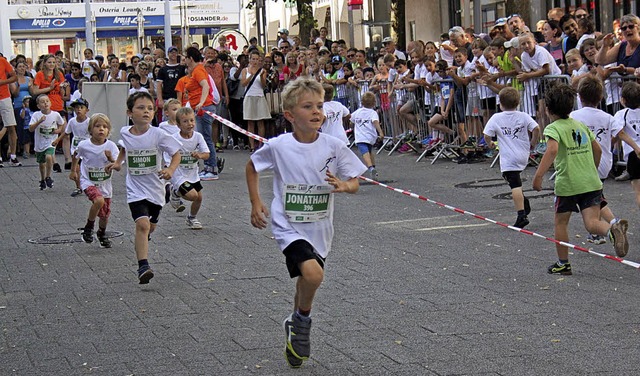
point(42, 82)
point(194, 89)
point(5, 69)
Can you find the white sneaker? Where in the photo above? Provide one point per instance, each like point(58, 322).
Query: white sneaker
point(622, 177)
point(175, 202)
point(193, 223)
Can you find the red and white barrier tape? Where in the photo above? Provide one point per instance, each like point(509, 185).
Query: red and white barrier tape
point(414, 195)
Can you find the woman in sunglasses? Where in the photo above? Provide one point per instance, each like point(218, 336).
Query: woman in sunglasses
point(626, 53)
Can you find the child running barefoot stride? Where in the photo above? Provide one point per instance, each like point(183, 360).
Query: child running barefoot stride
point(143, 147)
point(575, 153)
point(186, 177)
point(98, 155)
point(308, 169)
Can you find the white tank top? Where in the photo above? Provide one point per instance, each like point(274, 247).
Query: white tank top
point(256, 89)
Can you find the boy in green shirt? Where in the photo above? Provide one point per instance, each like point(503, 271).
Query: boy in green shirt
point(575, 153)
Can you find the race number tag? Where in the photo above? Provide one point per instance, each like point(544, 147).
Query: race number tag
point(46, 131)
point(98, 175)
point(187, 162)
point(76, 141)
point(142, 161)
point(306, 203)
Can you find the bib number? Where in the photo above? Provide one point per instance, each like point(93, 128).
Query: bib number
point(98, 176)
point(187, 162)
point(142, 162)
point(306, 203)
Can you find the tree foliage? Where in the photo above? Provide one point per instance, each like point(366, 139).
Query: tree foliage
point(306, 20)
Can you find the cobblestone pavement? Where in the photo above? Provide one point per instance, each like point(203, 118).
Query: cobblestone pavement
point(410, 288)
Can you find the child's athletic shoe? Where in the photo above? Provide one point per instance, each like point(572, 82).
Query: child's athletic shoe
point(557, 268)
point(87, 234)
point(297, 332)
point(76, 192)
point(469, 144)
point(622, 177)
point(193, 223)
point(596, 239)
point(15, 163)
point(220, 162)
point(291, 359)
point(145, 274)
point(208, 176)
point(176, 203)
point(43, 185)
point(1, 163)
point(49, 182)
point(25, 156)
point(521, 222)
point(104, 241)
point(56, 167)
point(618, 237)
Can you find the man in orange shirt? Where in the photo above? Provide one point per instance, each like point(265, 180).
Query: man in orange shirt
point(8, 76)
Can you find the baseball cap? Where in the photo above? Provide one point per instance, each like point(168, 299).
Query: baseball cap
point(387, 40)
point(500, 22)
point(336, 59)
point(172, 48)
point(512, 43)
point(323, 49)
point(80, 102)
point(283, 31)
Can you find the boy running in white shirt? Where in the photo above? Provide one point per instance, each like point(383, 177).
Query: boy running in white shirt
point(629, 119)
point(604, 127)
point(367, 131)
point(170, 108)
point(512, 128)
point(186, 177)
point(79, 127)
point(335, 112)
point(302, 208)
point(142, 145)
point(98, 155)
point(46, 125)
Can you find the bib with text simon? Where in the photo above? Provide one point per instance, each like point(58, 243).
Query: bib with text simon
point(307, 203)
point(142, 161)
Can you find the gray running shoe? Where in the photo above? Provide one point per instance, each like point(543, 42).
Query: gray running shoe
point(297, 336)
point(618, 237)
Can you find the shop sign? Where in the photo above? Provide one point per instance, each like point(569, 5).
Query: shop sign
point(129, 21)
point(47, 24)
point(127, 9)
point(207, 13)
point(32, 11)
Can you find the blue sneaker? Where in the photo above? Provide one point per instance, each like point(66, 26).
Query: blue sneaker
point(425, 140)
point(208, 176)
point(145, 274)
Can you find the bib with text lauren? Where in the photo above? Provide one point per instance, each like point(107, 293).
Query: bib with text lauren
point(142, 161)
point(98, 175)
point(306, 203)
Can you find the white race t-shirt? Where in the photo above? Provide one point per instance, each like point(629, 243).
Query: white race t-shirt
point(604, 128)
point(171, 129)
point(144, 159)
point(188, 168)
point(282, 155)
point(333, 126)
point(465, 71)
point(540, 58)
point(512, 129)
point(43, 134)
point(94, 160)
point(365, 131)
point(80, 131)
point(629, 121)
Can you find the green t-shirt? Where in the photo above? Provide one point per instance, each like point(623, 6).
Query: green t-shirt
point(576, 170)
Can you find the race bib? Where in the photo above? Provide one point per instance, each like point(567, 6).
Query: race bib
point(142, 161)
point(46, 131)
point(187, 162)
point(76, 141)
point(306, 203)
point(98, 175)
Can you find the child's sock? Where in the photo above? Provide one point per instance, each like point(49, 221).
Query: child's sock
point(304, 314)
point(143, 263)
point(90, 224)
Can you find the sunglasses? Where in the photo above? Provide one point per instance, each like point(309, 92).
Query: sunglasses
point(351, 55)
point(581, 16)
point(630, 27)
point(513, 15)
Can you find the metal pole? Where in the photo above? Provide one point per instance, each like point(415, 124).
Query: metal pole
point(88, 31)
point(477, 16)
point(140, 20)
point(261, 22)
point(167, 26)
